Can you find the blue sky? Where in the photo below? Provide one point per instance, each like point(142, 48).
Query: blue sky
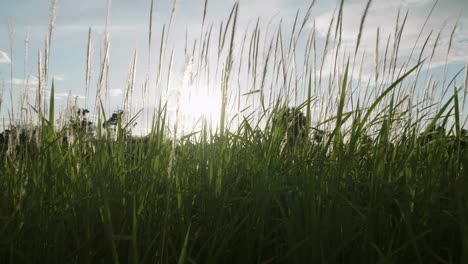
point(129, 31)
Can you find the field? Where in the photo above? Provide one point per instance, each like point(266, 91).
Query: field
point(378, 176)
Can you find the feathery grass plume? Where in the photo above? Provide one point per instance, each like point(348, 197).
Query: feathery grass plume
point(449, 48)
point(169, 72)
point(424, 47)
point(26, 51)
point(148, 70)
point(307, 54)
point(52, 107)
point(108, 14)
point(11, 38)
point(172, 17)
point(150, 30)
point(130, 85)
point(308, 106)
point(337, 47)
point(445, 90)
point(88, 66)
point(24, 98)
point(384, 71)
point(396, 42)
point(188, 67)
point(39, 98)
point(2, 89)
point(104, 71)
point(205, 8)
point(307, 79)
point(377, 53)
point(107, 50)
point(102, 79)
point(239, 72)
point(328, 106)
point(307, 17)
point(339, 23)
point(162, 49)
point(314, 52)
point(207, 51)
point(415, 83)
point(452, 34)
point(420, 34)
point(164, 39)
point(202, 46)
point(295, 78)
point(436, 42)
point(48, 43)
point(361, 26)
point(53, 15)
point(293, 31)
point(283, 63)
point(452, 82)
point(266, 63)
point(222, 36)
point(227, 71)
point(253, 53)
point(325, 50)
point(338, 33)
point(39, 93)
point(465, 87)
point(45, 72)
point(396, 45)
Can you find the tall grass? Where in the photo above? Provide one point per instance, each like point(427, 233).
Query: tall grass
point(378, 177)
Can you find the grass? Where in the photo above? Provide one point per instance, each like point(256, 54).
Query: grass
point(376, 180)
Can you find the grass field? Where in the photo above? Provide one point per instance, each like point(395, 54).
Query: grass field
point(379, 177)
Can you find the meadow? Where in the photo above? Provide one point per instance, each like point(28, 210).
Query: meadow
point(349, 175)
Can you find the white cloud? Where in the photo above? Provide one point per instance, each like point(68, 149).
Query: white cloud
point(30, 81)
point(65, 95)
point(115, 92)
point(61, 96)
point(4, 58)
point(383, 15)
point(59, 77)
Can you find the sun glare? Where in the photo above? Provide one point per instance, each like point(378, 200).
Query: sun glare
point(198, 106)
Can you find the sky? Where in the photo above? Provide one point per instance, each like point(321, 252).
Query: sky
point(128, 28)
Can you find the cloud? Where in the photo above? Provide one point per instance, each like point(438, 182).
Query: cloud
point(60, 96)
point(30, 81)
point(58, 77)
point(33, 80)
point(115, 92)
point(65, 95)
point(382, 15)
point(4, 58)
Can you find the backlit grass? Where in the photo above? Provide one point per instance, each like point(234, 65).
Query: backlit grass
point(338, 179)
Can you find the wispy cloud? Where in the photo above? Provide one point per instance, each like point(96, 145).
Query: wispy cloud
point(30, 81)
point(60, 96)
point(382, 15)
point(65, 95)
point(58, 77)
point(4, 58)
point(115, 92)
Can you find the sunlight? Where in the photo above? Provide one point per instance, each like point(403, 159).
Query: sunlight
point(198, 106)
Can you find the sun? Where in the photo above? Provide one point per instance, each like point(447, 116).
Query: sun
point(198, 106)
